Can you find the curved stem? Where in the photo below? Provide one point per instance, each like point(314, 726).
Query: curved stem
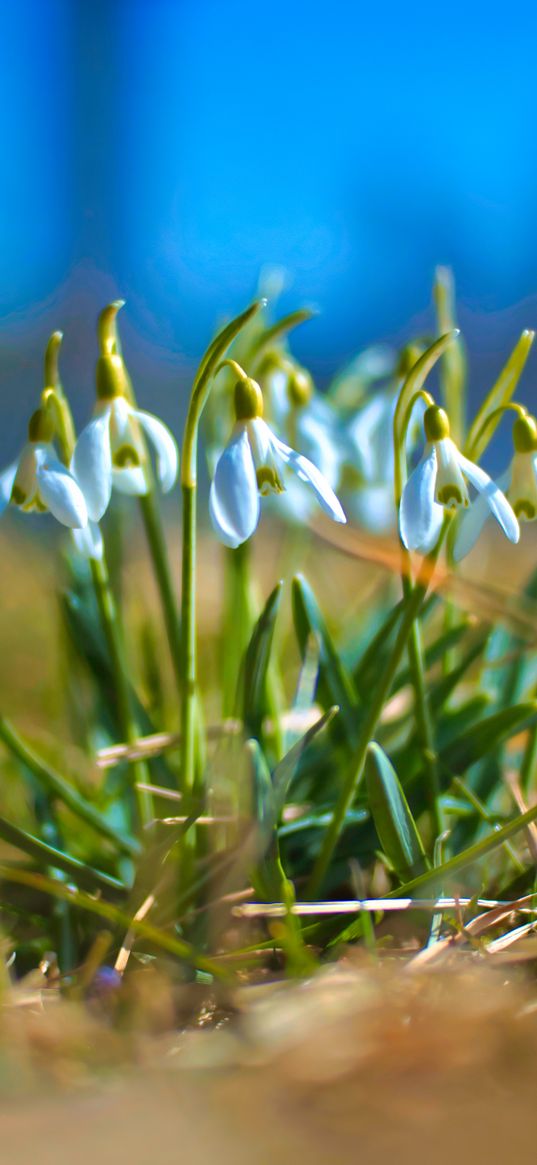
point(420, 395)
point(500, 393)
point(277, 330)
point(54, 397)
point(411, 388)
point(189, 476)
point(235, 367)
point(511, 406)
point(151, 516)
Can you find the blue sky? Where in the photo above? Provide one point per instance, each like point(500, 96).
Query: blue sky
point(168, 149)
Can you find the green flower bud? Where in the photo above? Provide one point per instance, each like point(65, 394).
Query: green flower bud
point(408, 357)
point(272, 361)
point(112, 379)
point(525, 435)
point(41, 427)
point(299, 386)
point(436, 423)
point(248, 400)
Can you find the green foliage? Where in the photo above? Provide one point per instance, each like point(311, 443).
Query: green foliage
point(344, 736)
point(395, 825)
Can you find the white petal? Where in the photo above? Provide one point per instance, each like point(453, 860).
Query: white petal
point(25, 477)
point(260, 439)
point(92, 464)
point(415, 426)
point(470, 526)
point(120, 422)
point(472, 521)
point(275, 388)
point(451, 489)
point(309, 473)
point(420, 517)
point(128, 446)
point(296, 502)
point(6, 484)
point(165, 448)
point(364, 432)
point(131, 480)
point(496, 500)
point(89, 541)
point(318, 439)
point(61, 493)
point(234, 497)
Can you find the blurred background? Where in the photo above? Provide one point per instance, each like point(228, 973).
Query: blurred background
point(169, 150)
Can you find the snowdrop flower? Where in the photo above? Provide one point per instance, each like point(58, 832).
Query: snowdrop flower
point(439, 482)
point(368, 441)
point(369, 460)
point(37, 480)
point(111, 450)
point(310, 422)
point(250, 465)
point(519, 483)
point(363, 377)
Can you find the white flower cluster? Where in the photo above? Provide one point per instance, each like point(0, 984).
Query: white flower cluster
point(335, 439)
point(111, 452)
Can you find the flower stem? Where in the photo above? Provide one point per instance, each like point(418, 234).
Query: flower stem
point(453, 365)
point(110, 341)
point(126, 718)
point(189, 476)
point(161, 563)
point(354, 777)
point(240, 611)
point(413, 595)
point(422, 714)
point(448, 660)
point(189, 652)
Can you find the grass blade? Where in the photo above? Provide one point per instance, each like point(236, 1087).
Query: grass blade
point(47, 855)
point(59, 788)
point(336, 687)
point(393, 820)
point(256, 664)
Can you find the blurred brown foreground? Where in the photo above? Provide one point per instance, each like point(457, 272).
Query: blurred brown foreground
point(380, 1063)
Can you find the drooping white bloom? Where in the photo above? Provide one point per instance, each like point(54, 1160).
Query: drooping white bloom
point(439, 482)
point(370, 438)
point(250, 466)
point(38, 481)
point(519, 483)
point(367, 441)
point(111, 451)
point(308, 420)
